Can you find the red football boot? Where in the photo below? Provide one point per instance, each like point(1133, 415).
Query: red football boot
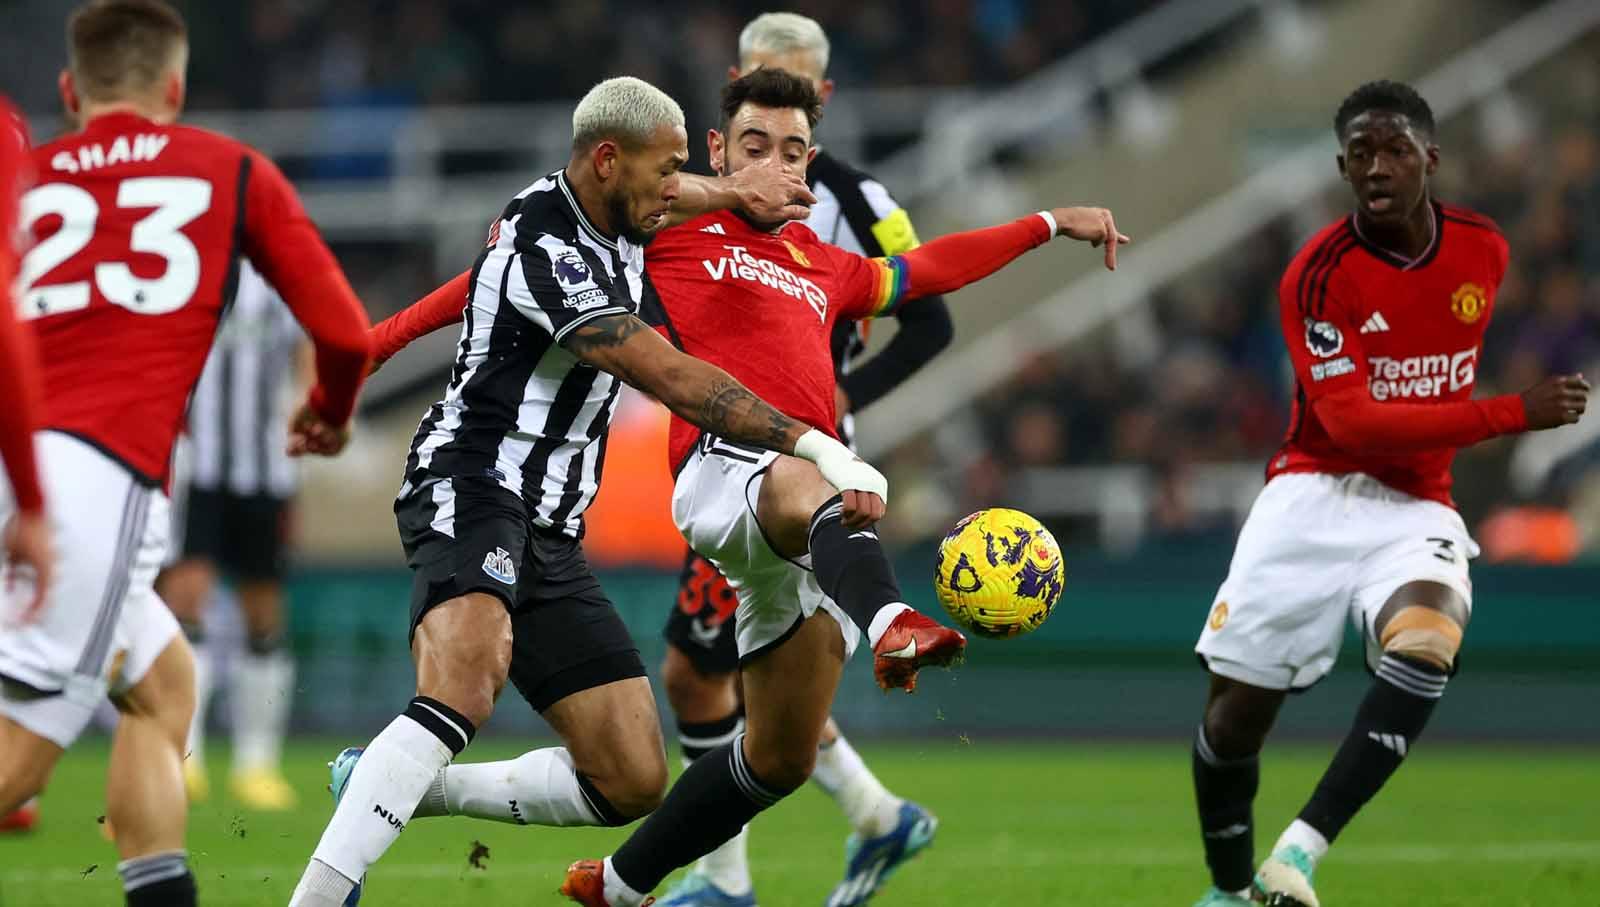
point(586, 884)
point(23, 818)
point(913, 642)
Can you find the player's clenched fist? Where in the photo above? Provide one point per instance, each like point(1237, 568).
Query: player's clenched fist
point(1556, 401)
point(309, 433)
point(1092, 225)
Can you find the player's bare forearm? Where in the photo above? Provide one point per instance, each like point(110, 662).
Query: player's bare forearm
point(767, 193)
point(694, 390)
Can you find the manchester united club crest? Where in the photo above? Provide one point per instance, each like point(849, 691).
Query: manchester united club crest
point(1468, 303)
point(799, 256)
point(1219, 615)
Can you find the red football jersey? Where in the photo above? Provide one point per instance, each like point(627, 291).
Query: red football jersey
point(1354, 315)
point(138, 228)
point(18, 366)
point(762, 306)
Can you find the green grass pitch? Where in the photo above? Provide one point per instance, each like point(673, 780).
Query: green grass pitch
point(1023, 824)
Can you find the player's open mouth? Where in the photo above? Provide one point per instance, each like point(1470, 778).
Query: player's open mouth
point(1379, 202)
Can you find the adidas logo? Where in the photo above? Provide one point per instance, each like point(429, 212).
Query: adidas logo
point(1394, 742)
point(714, 228)
point(1375, 325)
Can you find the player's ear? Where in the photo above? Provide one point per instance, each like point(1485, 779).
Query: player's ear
point(1432, 154)
point(811, 155)
point(825, 90)
point(1343, 174)
point(69, 93)
point(604, 159)
point(733, 73)
point(173, 94)
point(715, 149)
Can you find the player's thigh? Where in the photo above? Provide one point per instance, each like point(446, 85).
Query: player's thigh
point(26, 762)
point(614, 735)
point(163, 688)
point(465, 540)
point(112, 531)
point(789, 691)
point(1277, 620)
point(1423, 562)
point(790, 494)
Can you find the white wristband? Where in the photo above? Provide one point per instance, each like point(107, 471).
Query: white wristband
point(839, 464)
point(1050, 221)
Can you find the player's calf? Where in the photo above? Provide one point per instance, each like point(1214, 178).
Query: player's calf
point(1421, 635)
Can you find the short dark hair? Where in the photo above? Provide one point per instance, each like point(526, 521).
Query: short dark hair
point(772, 88)
point(1387, 96)
point(117, 47)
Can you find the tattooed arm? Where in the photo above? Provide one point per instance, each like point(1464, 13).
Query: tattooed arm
point(710, 398)
point(697, 391)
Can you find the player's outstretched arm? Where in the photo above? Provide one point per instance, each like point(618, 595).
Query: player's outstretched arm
point(438, 309)
point(765, 190)
point(951, 262)
point(715, 401)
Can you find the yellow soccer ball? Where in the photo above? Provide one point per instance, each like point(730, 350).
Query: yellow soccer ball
point(999, 573)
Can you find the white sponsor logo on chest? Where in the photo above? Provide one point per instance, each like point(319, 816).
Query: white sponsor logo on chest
point(1422, 376)
point(739, 264)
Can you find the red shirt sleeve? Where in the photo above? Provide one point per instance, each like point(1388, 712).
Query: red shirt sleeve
point(19, 370)
point(284, 245)
point(1318, 311)
point(1357, 422)
point(438, 309)
point(877, 286)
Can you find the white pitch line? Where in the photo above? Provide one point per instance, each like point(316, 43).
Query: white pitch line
point(1370, 854)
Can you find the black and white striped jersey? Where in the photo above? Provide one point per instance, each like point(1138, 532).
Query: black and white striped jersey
point(239, 413)
point(520, 409)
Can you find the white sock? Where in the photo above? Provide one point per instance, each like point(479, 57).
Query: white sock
point(882, 620)
point(263, 689)
point(391, 777)
point(869, 806)
point(537, 788)
point(321, 886)
point(728, 867)
point(617, 893)
point(1307, 838)
point(195, 748)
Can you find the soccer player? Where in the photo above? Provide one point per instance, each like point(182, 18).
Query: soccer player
point(760, 298)
point(138, 224)
point(1383, 312)
point(26, 534)
point(501, 471)
point(856, 213)
point(237, 484)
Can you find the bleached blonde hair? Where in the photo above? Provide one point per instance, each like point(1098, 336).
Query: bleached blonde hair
point(626, 109)
point(783, 33)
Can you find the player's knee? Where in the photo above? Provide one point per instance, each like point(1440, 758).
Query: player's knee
point(783, 769)
point(631, 788)
point(691, 692)
point(1422, 634)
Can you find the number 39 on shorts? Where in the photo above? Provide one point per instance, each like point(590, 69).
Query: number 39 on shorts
point(175, 203)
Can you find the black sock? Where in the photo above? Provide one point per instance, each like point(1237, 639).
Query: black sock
point(1224, 791)
point(1388, 723)
point(850, 565)
point(160, 880)
point(450, 726)
point(696, 739)
point(718, 795)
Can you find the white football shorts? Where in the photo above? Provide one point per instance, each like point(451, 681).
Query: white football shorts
point(102, 625)
point(714, 506)
point(1318, 549)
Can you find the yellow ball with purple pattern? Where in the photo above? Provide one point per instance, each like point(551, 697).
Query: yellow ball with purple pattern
point(999, 573)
